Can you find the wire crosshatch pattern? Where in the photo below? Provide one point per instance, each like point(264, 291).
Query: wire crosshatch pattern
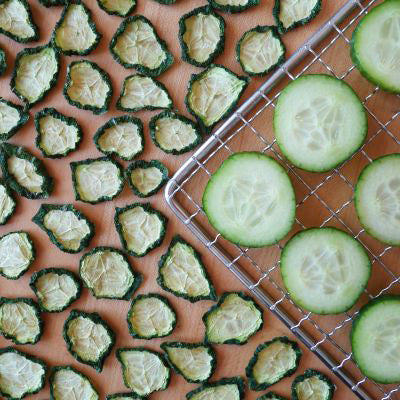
point(323, 199)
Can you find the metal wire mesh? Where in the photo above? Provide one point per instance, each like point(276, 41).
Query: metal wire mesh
point(324, 199)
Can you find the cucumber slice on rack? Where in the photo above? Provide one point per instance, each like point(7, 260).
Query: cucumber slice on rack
point(319, 122)
point(377, 199)
point(233, 320)
point(123, 396)
point(7, 203)
point(121, 8)
point(233, 6)
point(273, 361)
point(312, 385)
point(250, 200)
point(325, 270)
point(12, 118)
point(3, 62)
point(271, 396)
point(226, 388)
point(151, 316)
point(52, 3)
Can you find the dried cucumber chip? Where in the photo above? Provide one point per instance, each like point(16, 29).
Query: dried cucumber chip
point(12, 118)
point(121, 8)
point(233, 6)
point(7, 203)
point(51, 3)
point(3, 61)
point(166, 2)
point(226, 388)
point(123, 396)
point(312, 385)
point(271, 396)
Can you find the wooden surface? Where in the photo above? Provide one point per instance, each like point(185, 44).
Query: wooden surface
point(231, 359)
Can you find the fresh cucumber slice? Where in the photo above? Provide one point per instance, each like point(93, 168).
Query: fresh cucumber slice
point(12, 118)
point(260, 50)
point(151, 316)
point(196, 362)
point(7, 203)
point(312, 385)
point(121, 8)
point(325, 270)
point(3, 62)
point(226, 388)
point(123, 396)
point(89, 338)
point(233, 320)
point(377, 199)
point(273, 361)
point(52, 3)
point(271, 396)
point(319, 122)
point(250, 200)
point(233, 6)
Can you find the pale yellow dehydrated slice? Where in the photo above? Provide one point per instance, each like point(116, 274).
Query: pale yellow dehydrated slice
point(9, 117)
point(292, 11)
point(120, 7)
point(313, 388)
point(235, 3)
point(25, 174)
point(7, 204)
point(222, 392)
point(146, 179)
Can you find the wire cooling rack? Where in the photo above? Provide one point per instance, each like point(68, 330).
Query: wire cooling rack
point(323, 199)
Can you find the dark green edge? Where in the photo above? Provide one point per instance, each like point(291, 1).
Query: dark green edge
point(308, 374)
point(100, 4)
point(38, 219)
point(272, 396)
point(116, 121)
point(136, 281)
point(178, 239)
point(131, 396)
point(254, 385)
point(91, 23)
point(96, 318)
point(75, 164)
point(144, 165)
point(3, 62)
point(53, 81)
point(66, 119)
point(172, 115)
point(105, 76)
point(196, 77)
point(54, 370)
point(57, 271)
point(36, 308)
point(149, 209)
point(233, 9)
point(166, 2)
point(185, 345)
point(146, 296)
point(238, 381)
point(9, 194)
point(144, 349)
point(23, 118)
point(145, 108)
point(52, 3)
point(262, 29)
point(215, 307)
point(7, 150)
point(182, 30)
point(169, 59)
point(30, 358)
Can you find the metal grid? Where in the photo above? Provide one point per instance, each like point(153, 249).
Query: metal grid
point(258, 270)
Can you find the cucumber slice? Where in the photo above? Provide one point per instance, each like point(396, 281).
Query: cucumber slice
point(233, 6)
point(173, 133)
point(151, 316)
point(140, 227)
point(182, 272)
point(213, 94)
point(67, 227)
point(89, 338)
point(3, 62)
point(123, 396)
point(122, 136)
point(67, 383)
point(233, 320)
point(319, 122)
point(35, 73)
point(12, 118)
point(96, 179)
point(377, 199)
point(260, 50)
point(312, 385)
point(226, 388)
point(273, 361)
point(7, 203)
point(271, 396)
point(108, 274)
point(250, 200)
point(20, 374)
point(136, 44)
point(88, 87)
point(121, 8)
point(202, 36)
point(52, 3)
point(16, 21)
point(144, 371)
point(16, 254)
point(146, 178)
point(196, 362)
point(140, 92)
point(75, 33)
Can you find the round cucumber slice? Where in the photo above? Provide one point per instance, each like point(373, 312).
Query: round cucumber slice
point(250, 200)
point(319, 122)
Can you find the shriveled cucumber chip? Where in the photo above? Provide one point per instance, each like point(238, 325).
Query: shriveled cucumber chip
point(88, 87)
point(20, 374)
point(213, 94)
point(52, 3)
point(122, 136)
point(312, 385)
point(123, 396)
point(136, 44)
point(233, 320)
point(12, 117)
point(144, 371)
point(182, 272)
point(96, 179)
point(7, 203)
point(121, 8)
point(89, 339)
point(166, 2)
point(140, 92)
point(233, 6)
point(3, 62)
point(224, 389)
point(107, 273)
point(151, 316)
point(271, 396)
point(141, 228)
point(196, 362)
